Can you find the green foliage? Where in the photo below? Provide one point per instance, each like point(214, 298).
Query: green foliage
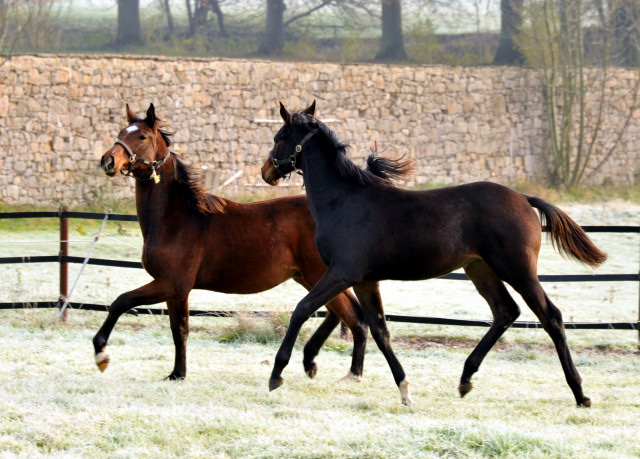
point(422, 42)
point(353, 47)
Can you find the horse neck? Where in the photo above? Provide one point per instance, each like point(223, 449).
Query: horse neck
point(322, 181)
point(155, 202)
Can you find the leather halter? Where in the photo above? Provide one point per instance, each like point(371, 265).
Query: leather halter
point(292, 159)
point(134, 159)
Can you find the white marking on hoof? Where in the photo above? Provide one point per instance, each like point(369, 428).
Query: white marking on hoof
point(102, 360)
point(405, 392)
point(350, 377)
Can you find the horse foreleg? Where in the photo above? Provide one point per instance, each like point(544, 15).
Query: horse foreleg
point(179, 319)
point(330, 285)
point(369, 295)
point(151, 293)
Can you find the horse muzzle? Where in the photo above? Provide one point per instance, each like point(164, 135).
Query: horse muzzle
point(108, 165)
point(269, 174)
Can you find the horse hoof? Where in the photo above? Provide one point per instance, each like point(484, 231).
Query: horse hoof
point(464, 389)
point(350, 377)
point(102, 360)
point(174, 377)
point(586, 403)
point(312, 370)
point(405, 392)
point(274, 383)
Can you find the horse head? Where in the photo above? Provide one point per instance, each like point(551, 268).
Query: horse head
point(140, 149)
point(288, 142)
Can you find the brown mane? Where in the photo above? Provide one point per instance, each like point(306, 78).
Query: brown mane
point(195, 195)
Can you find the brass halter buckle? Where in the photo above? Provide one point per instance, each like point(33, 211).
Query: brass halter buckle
point(134, 159)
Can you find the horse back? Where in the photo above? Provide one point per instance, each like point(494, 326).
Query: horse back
point(412, 235)
point(254, 246)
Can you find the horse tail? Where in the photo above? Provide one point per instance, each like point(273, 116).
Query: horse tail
point(389, 169)
point(567, 237)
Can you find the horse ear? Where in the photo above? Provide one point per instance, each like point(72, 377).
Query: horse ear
point(311, 109)
point(286, 116)
point(131, 116)
point(151, 116)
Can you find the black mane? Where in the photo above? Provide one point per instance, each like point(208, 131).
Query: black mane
point(378, 170)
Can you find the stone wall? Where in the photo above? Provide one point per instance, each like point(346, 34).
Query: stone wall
point(58, 114)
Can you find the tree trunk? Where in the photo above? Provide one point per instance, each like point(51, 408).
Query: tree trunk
point(192, 26)
point(627, 33)
point(510, 23)
point(391, 42)
point(215, 7)
point(273, 40)
point(128, 23)
point(167, 9)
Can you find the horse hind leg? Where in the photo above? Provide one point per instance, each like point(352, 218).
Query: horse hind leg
point(312, 348)
point(505, 312)
point(551, 319)
point(346, 308)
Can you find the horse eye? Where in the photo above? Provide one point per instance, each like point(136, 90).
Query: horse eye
point(142, 137)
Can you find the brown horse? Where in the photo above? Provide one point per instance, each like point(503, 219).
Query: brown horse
point(195, 240)
point(367, 231)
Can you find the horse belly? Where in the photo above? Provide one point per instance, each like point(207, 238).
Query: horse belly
point(244, 275)
point(416, 262)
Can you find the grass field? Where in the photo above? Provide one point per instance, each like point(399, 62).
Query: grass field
point(55, 403)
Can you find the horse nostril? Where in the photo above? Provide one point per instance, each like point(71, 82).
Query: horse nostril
point(107, 164)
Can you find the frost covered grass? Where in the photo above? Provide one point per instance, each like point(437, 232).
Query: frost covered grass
point(54, 402)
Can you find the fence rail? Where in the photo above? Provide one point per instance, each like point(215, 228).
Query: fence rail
point(63, 259)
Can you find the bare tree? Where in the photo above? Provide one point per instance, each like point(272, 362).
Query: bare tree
point(198, 14)
point(392, 39)
point(554, 41)
point(340, 11)
point(626, 23)
point(129, 31)
point(166, 7)
point(28, 24)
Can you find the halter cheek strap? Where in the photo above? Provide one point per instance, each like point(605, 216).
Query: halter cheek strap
point(292, 159)
point(134, 159)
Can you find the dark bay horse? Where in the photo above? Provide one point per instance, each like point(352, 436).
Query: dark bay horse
point(195, 240)
point(367, 231)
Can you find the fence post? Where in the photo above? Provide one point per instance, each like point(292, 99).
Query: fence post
point(64, 251)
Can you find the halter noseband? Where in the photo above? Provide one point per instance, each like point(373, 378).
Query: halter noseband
point(292, 159)
point(134, 159)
